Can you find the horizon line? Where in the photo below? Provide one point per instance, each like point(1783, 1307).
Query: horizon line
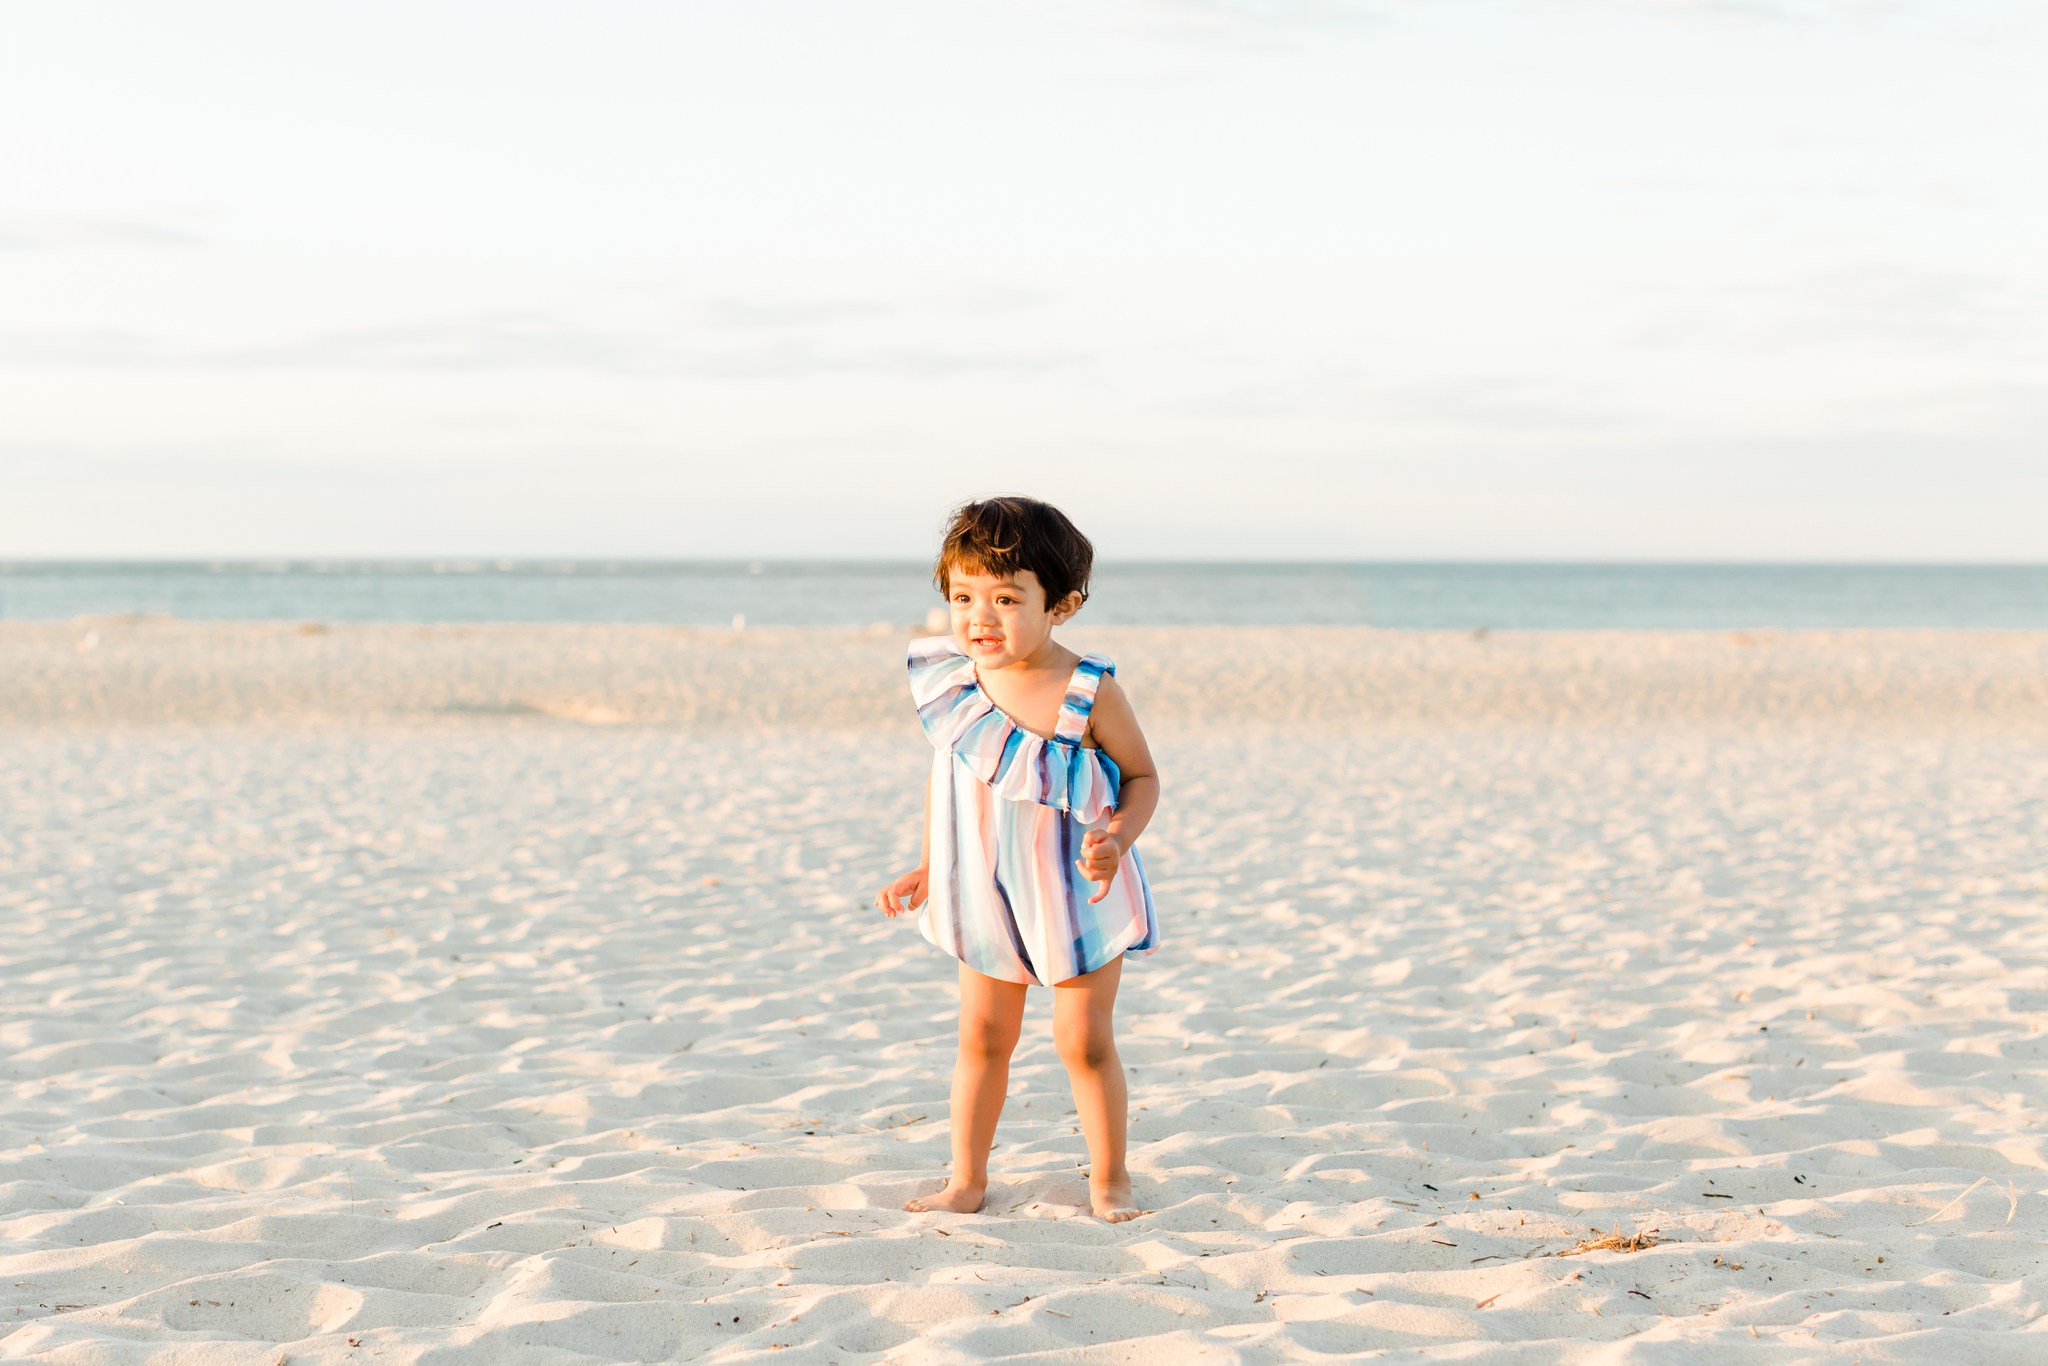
point(503, 562)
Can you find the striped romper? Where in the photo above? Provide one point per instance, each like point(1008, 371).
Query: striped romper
point(1008, 811)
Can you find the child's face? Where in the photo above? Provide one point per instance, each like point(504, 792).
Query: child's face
point(1000, 619)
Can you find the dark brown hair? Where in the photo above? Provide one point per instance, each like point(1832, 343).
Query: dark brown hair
point(1004, 535)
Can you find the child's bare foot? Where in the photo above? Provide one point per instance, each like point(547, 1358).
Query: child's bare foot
point(959, 1197)
point(1112, 1201)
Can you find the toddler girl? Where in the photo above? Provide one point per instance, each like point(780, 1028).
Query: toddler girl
point(1040, 784)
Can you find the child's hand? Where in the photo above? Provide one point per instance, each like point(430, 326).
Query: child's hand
point(906, 893)
point(1098, 862)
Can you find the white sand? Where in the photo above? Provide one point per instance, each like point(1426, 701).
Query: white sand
point(513, 994)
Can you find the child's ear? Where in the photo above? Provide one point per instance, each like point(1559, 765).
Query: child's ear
point(1066, 607)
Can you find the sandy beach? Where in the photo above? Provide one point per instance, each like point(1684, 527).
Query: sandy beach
point(422, 994)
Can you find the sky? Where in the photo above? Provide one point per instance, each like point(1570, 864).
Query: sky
point(1224, 279)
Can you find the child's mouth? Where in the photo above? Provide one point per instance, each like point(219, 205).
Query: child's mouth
point(987, 642)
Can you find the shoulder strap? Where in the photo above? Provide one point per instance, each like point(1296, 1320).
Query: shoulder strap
point(1080, 698)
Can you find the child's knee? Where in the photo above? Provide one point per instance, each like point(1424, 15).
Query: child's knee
point(1088, 1046)
point(986, 1039)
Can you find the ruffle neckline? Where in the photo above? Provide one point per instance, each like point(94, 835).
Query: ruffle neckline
point(1019, 764)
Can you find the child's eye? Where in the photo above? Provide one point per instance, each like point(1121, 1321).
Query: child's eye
point(1005, 600)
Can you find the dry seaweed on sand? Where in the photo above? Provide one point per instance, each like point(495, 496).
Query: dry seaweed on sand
point(1612, 1242)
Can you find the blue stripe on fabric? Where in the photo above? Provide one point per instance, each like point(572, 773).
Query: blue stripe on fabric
point(1079, 699)
point(939, 706)
point(1008, 920)
point(1012, 742)
point(1083, 924)
point(1150, 939)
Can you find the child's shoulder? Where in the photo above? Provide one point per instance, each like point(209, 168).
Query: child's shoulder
point(1110, 698)
point(1095, 659)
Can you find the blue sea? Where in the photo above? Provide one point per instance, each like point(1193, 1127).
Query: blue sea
point(858, 593)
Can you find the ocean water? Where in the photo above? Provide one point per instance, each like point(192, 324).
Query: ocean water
point(859, 593)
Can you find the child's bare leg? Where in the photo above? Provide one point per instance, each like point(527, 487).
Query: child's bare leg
point(1084, 1030)
point(991, 1015)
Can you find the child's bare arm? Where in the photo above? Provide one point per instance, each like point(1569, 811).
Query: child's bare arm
point(1115, 728)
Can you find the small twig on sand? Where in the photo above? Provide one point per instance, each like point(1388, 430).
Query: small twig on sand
point(1950, 1205)
point(1612, 1242)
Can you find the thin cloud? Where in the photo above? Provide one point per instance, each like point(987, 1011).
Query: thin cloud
point(1872, 304)
point(536, 340)
point(745, 314)
point(1239, 25)
point(797, 359)
point(518, 340)
point(1287, 24)
point(65, 234)
point(85, 348)
point(1898, 304)
point(1489, 403)
point(42, 467)
point(772, 314)
point(1775, 11)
